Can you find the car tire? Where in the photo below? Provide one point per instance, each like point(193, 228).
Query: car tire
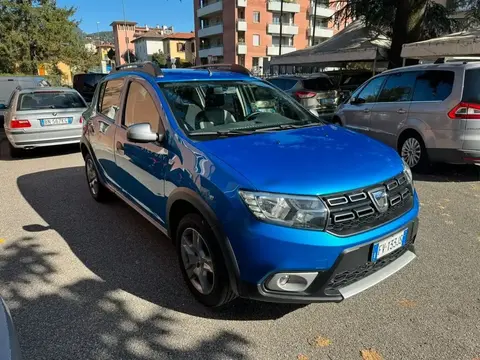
point(15, 153)
point(202, 263)
point(99, 192)
point(413, 151)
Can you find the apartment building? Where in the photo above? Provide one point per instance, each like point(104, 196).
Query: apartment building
point(229, 31)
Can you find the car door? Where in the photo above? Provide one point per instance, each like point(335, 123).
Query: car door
point(101, 126)
point(356, 112)
point(391, 110)
point(142, 166)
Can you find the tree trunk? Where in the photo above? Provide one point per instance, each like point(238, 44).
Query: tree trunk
point(406, 28)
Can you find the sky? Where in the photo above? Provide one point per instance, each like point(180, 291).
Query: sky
point(151, 12)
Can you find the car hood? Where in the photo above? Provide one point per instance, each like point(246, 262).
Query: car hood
point(316, 160)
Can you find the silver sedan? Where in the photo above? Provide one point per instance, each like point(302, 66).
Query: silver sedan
point(43, 117)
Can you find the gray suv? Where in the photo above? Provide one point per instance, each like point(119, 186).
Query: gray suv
point(429, 113)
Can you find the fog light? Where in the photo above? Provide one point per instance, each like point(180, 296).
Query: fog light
point(291, 282)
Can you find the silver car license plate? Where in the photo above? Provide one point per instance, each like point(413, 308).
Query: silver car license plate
point(56, 121)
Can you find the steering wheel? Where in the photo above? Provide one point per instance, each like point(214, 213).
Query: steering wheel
point(252, 115)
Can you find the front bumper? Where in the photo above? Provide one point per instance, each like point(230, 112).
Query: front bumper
point(351, 274)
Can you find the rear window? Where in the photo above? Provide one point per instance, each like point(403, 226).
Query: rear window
point(318, 84)
point(49, 100)
point(284, 84)
point(433, 85)
point(471, 87)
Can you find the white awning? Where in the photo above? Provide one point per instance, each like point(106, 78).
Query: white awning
point(354, 43)
point(465, 43)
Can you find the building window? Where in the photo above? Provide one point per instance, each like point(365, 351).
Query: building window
point(192, 47)
point(256, 16)
point(256, 40)
point(255, 62)
point(180, 47)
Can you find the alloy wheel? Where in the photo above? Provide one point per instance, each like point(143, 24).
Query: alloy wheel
point(411, 152)
point(92, 177)
point(197, 261)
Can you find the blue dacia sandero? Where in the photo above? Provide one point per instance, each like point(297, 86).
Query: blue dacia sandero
point(262, 199)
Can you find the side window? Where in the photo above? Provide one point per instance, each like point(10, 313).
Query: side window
point(398, 87)
point(370, 92)
point(140, 107)
point(109, 99)
point(433, 85)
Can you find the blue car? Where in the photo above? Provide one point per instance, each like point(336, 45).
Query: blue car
point(261, 199)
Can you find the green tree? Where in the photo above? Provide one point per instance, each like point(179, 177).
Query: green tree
point(111, 54)
point(35, 32)
point(406, 21)
point(160, 58)
point(129, 56)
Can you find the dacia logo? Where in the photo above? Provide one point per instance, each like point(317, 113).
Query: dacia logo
point(380, 199)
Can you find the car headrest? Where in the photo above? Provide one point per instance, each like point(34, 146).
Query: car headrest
point(213, 100)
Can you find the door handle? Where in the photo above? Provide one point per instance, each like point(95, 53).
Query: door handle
point(401, 111)
point(120, 147)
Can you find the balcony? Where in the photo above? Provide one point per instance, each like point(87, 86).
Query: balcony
point(287, 29)
point(275, 50)
point(210, 51)
point(290, 6)
point(322, 10)
point(211, 30)
point(241, 25)
point(210, 8)
point(241, 48)
point(242, 3)
point(320, 32)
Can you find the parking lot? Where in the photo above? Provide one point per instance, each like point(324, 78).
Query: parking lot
point(91, 281)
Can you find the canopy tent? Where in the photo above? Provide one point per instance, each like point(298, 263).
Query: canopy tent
point(465, 43)
point(352, 44)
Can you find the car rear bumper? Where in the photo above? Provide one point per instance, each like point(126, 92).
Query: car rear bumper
point(32, 139)
point(352, 273)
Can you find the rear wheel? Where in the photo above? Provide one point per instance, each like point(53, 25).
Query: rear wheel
point(414, 153)
point(97, 190)
point(202, 263)
point(14, 152)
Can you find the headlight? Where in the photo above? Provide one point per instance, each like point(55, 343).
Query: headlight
point(306, 212)
point(408, 172)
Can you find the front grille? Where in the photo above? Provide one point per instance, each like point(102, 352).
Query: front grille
point(350, 276)
point(354, 212)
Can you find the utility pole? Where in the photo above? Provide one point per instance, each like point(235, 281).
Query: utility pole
point(125, 25)
point(281, 27)
point(314, 22)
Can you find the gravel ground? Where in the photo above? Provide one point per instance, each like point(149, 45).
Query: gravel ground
point(91, 281)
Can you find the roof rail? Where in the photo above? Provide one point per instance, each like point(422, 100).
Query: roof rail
point(226, 67)
point(148, 67)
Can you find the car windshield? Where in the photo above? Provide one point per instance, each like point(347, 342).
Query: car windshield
point(49, 100)
point(244, 107)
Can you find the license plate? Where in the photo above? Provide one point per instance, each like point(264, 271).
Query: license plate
point(56, 121)
point(388, 245)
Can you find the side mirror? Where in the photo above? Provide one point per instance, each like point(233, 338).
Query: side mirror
point(357, 101)
point(3, 106)
point(142, 133)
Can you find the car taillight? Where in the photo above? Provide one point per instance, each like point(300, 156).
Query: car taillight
point(305, 94)
point(81, 120)
point(465, 110)
point(19, 124)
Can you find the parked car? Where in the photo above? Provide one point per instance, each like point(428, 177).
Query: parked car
point(429, 113)
point(261, 199)
point(85, 84)
point(9, 347)
point(43, 117)
point(9, 83)
point(315, 92)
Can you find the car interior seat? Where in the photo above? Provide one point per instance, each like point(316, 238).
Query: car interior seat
point(214, 114)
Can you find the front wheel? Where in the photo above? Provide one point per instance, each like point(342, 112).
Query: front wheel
point(202, 263)
point(414, 153)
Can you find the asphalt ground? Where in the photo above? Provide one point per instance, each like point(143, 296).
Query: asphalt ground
point(90, 281)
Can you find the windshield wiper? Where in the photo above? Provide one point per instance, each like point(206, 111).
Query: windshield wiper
point(222, 133)
point(289, 126)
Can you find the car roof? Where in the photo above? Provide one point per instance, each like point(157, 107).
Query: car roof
point(46, 89)
point(443, 66)
point(301, 77)
point(186, 75)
